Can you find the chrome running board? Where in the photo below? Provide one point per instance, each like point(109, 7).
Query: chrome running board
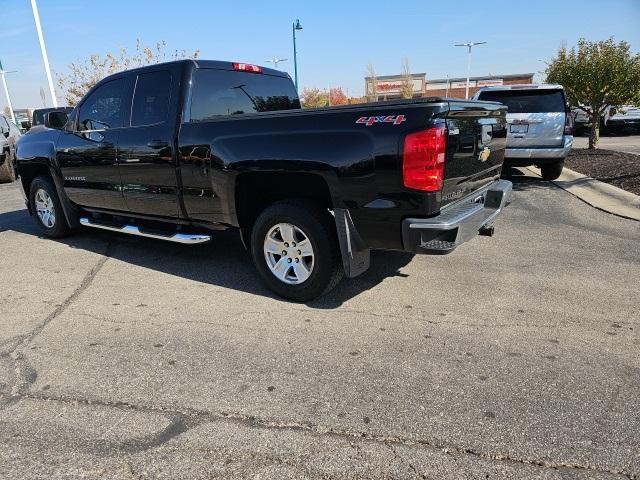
point(184, 238)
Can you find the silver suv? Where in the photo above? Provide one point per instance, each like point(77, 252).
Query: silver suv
point(540, 125)
point(9, 135)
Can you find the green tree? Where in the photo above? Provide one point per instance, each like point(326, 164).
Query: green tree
point(85, 74)
point(314, 98)
point(596, 75)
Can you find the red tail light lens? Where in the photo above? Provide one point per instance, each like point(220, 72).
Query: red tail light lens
point(423, 159)
point(247, 67)
point(568, 123)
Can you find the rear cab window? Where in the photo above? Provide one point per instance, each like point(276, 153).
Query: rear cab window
point(151, 97)
point(218, 93)
point(528, 101)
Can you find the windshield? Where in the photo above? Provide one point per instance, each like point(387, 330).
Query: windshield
point(529, 101)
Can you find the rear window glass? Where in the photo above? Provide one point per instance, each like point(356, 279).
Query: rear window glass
point(151, 98)
point(532, 101)
point(38, 117)
point(220, 92)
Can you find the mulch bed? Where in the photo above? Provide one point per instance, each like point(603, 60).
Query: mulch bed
point(617, 168)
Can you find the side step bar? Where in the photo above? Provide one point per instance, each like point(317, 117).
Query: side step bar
point(184, 238)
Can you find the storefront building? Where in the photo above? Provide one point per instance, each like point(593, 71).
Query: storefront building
point(390, 87)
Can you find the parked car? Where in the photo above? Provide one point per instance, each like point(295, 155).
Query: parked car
point(581, 121)
point(540, 125)
point(613, 120)
point(179, 150)
point(9, 135)
point(23, 119)
point(40, 114)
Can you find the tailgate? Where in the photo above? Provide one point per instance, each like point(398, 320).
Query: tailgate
point(531, 130)
point(475, 147)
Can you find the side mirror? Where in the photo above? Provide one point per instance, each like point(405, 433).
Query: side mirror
point(26, 125)
point(55, 120)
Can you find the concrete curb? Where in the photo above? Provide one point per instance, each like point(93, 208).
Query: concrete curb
point(598, 194)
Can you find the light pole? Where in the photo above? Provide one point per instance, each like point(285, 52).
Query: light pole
point(468, 45)
point(6, 91)
point(276, 61)
point(296, 26)
point(43, 49)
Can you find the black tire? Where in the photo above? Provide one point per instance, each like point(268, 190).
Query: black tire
point(319, 227)
point(7, 173)
point(551, 171)
point(59, 227)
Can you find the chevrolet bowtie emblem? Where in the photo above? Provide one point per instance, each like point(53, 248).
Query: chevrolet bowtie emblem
point(484, 154)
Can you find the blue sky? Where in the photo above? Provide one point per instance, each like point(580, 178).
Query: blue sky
point(338, 40)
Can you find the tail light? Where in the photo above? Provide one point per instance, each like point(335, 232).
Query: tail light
point(247, 67)
point(568, 123)
point(423, 159)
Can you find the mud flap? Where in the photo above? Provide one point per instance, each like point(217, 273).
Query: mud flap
point(71, 212)
point(355, 255)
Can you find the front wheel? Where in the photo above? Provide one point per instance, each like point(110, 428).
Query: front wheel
point(47, 208)
point(295, 250)
point(551, 171)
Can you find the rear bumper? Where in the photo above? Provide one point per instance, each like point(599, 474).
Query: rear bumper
point(458, 222)
point(543, 152)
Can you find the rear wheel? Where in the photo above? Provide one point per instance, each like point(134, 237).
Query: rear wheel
point(47, 208)
point(295, 250)
point(551, 171)
point(7, 173)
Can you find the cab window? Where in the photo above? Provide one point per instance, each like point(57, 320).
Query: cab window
point(105, 108)
point(151, 98)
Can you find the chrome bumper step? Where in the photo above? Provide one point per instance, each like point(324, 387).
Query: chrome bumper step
point(183, 238)
point(459, 222)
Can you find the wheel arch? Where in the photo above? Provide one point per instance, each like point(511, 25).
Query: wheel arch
point(38, 159)
point(255, 191)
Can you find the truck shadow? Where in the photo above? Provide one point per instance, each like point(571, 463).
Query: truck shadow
point(223, 262)
point(523, 179)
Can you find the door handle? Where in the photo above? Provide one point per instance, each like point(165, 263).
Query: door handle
point(157, 144)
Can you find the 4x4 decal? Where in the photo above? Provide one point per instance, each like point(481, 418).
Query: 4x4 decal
point(395, 119)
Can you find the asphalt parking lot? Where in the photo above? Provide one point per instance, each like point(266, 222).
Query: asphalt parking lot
point(621, 143)
point(514, 357)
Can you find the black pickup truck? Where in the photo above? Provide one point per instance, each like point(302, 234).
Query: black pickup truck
point(179, 150)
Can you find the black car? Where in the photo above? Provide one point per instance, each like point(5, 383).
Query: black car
point(179, 150)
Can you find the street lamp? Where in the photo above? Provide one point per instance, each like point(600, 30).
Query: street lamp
point(43, 50)
point(468, 45)
point(276, 61)
point(296, 26)
point(6, 91)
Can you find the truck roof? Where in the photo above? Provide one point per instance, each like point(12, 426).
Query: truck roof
point(217, 64)
point(524, 86)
